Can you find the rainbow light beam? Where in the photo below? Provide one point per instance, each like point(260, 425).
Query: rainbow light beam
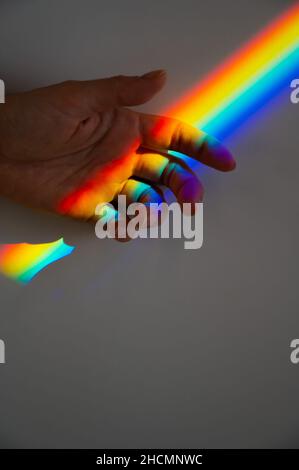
point(246, 81)
point(22, 261)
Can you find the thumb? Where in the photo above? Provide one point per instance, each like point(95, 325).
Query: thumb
point(122, 90)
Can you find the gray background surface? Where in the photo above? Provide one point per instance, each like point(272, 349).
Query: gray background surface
point(147, 344)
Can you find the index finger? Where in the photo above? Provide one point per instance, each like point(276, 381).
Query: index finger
point(164, 133)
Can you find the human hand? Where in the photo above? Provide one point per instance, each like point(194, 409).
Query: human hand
point(68, 147)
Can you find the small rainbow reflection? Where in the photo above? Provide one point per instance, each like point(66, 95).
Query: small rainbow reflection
point(22, 261)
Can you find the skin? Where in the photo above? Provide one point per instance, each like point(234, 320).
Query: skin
point(67, 147)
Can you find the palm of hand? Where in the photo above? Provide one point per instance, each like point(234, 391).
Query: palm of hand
point(70, 146)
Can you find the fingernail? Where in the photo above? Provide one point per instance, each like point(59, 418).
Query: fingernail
point(154, 74)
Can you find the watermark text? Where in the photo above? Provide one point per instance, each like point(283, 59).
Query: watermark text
point(2, 91)
point(2, 352)
point(153, 220)
point(295, 351)
point(294, 97)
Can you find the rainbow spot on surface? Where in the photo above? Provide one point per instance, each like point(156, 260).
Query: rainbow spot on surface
point(22, 261)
